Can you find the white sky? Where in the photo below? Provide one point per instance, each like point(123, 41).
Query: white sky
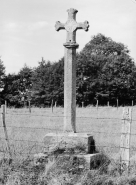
point(27, 31)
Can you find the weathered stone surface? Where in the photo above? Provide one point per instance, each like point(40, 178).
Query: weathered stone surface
point(71, 26)
point(89, 158)
point(70, 90)
point(69, 141)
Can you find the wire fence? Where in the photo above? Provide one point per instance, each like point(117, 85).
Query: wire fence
point(26, 131)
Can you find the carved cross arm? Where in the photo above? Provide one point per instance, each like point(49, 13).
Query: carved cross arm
point(59, 26)
point(84, 25)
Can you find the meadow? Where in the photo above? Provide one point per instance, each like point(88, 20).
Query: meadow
point(27, 130)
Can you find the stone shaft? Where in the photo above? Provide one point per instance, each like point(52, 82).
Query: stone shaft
point(71, 26)
point(70, 90)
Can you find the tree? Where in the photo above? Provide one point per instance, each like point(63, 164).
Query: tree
point(25, 84)
point(48, 82)
point(10, 91)
point(2, 75)
point(25, 78)
point(17, 87)
point(105, 71)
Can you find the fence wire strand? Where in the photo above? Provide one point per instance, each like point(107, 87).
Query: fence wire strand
point(105, 139)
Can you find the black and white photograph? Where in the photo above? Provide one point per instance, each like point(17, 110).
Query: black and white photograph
point(68, 92)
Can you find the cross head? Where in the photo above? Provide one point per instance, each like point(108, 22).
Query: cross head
point(71, 26)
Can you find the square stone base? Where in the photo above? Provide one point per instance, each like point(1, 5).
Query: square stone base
point(90, 159)
point(70, 140)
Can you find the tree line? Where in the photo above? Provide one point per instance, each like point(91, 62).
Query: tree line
point(105, 72)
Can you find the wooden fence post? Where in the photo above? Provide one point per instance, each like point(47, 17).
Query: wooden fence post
point(52, 105)
point(29, 104)
point(132, 103)
point(97, 104)
point(117, 103)
point(125, 138)
point(5, 106)
point(55, 104)
point(5, 129)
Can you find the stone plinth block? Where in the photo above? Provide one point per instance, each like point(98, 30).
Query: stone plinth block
point(91, 159)
point(77, 141)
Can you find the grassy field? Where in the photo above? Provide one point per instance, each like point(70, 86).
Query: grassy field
point(26, 130)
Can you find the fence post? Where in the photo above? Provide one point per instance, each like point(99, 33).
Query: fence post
point(55, 104)
point(52, 105)
point(108, 104)
point(29, 104)
point(82, 104)
point(125, 138)
point(5, 106)
point(5, 129)
point(132, 103)
point(117, 103)
point(97, 104)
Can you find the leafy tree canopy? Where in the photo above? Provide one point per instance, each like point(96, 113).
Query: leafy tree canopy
point(2, 73)
point(105, 71)
point(48, 82)
point(105, 67)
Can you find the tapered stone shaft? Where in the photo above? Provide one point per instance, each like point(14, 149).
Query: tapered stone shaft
point(71, 26)
point(70, 89)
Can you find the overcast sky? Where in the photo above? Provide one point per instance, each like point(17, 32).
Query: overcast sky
point(27, 31)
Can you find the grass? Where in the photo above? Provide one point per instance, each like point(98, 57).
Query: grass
point(32, 127)
point(66, 170)
point(27, 130)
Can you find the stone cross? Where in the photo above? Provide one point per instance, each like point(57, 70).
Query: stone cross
point(71, 26)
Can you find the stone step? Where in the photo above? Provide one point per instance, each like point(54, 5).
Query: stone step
point(78, 141)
